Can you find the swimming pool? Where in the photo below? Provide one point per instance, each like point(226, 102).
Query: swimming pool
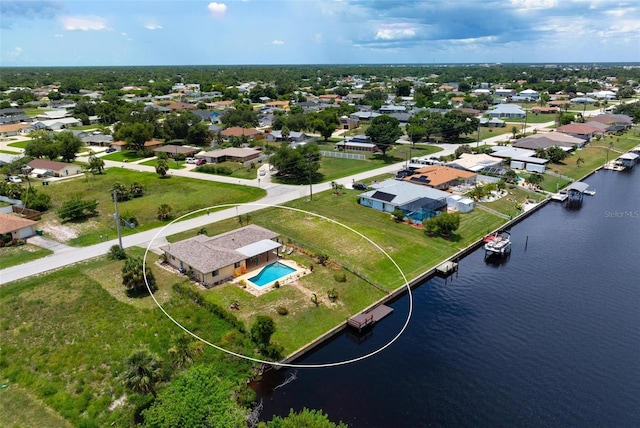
point(271, 273)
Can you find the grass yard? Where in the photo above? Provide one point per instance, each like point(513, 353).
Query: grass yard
point(507, 204)
point(172, 164)
point(182, 194)
point(123, 156)
point(34, 111)
point(11, 256)
point(66, 339)
point(20, 408)
point(19, 144)
point(595, 155)
point(531, 119)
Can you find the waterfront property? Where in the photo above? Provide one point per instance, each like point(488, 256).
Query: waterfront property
point(419, 203)
point(575, 193)
point(217, 259)
point(441, 177)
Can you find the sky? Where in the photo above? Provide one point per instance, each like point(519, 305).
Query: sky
point(225, 32)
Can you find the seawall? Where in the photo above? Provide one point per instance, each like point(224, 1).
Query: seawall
point(427, 274)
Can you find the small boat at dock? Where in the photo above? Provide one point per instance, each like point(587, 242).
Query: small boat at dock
point(500, 244)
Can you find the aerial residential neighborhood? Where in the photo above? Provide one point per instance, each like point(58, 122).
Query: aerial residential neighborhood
point(245, 209)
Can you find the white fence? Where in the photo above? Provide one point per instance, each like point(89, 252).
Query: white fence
point(343, 155)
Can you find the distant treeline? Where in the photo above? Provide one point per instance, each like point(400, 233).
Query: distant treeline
point(318, 78)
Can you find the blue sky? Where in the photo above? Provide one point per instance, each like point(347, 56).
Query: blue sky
point(169, 32)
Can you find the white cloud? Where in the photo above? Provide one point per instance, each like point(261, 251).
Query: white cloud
point(395, 32)
point(123, 34)
point(277, 42)
point(153, 26)
point(84, 23)
point(534, 4)
point(58, 36)
point(217, 9)
point(14, 54)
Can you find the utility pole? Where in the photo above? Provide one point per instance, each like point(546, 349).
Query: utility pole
point(310, 187)
point(117, 216)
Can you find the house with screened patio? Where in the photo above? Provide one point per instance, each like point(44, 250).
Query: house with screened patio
point(212, 260)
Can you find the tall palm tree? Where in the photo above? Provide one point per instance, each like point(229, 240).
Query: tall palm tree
point(143, 372)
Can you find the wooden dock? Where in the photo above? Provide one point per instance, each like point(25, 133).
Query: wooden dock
point(447, 268)
point(366, 319)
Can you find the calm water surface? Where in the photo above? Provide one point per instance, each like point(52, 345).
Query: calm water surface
point(548, 338)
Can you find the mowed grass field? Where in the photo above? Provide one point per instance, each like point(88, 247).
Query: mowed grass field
point(182, 194)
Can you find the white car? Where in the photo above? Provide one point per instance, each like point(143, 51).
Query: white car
point(262, 172)
point(14, 179)
point(191, 160)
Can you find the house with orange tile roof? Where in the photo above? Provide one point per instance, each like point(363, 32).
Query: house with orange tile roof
point(12, 129)
point(16, 226)
point(441, 177)
point(580, 130)
point(284, 105)
point(236, 131)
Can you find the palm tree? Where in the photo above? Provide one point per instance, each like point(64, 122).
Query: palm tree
point(514, 131)
point(143, 372)
point(184, 351)
point(579, 161)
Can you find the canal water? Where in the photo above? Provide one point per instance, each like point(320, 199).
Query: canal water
point(550, 337)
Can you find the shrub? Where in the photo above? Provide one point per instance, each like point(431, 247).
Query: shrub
point(116, 253)
point(282, 310)
point(340, 277)
point(276, 284)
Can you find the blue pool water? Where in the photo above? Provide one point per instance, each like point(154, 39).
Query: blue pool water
point(271, 272)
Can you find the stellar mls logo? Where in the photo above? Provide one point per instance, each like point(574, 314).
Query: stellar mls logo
point(622, 214)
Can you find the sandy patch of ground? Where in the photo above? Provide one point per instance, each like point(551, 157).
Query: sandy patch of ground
point(59, 232)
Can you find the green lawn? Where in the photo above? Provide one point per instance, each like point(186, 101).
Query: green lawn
point(20, 408)
point(172, 164)
point(123, 156)
point(11, 256)
point(595, 154)
point(531, 118)
point(19, 144)
point(182, 194)
point(33, 112)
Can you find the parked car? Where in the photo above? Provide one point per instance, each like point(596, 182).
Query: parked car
point(262, 172)
point(110, 150)
point(201, 161)
point(14, 179)
point(359, 186)
point(190, 160)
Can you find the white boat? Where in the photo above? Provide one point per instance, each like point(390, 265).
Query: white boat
point(590, 192)
point(500, 244)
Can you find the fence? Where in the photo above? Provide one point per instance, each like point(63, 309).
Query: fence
point(343, 155)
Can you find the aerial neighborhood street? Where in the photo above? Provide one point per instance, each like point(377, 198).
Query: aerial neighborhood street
point(206, 227)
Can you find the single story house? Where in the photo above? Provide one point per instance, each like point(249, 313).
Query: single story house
point(348, 123)
point(549, 139)
point(621, 120)
point(530, 94)
point(580, 130)
point(474, 162)
point(56, 124)
point(12, 129)
point(179, 105)
point(419, 203)
point(216, 259)
point(441, 177)
point(544, 110)
point(118, 145)
point(494, 122)
point(55, 168)
point(236, 131)
point(18, 227)
point(98, 140)
point(294, 136)
point(172, 150)
point(521, 158)
point(278, 105)
point(153, 144)
point(507, 110)
point(53, 114)
point(230, 154)
point(358, 143)
point(504, 92)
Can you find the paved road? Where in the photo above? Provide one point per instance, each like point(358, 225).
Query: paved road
point(276, 194)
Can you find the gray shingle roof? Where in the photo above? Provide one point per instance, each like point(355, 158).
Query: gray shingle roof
point(207, 254)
